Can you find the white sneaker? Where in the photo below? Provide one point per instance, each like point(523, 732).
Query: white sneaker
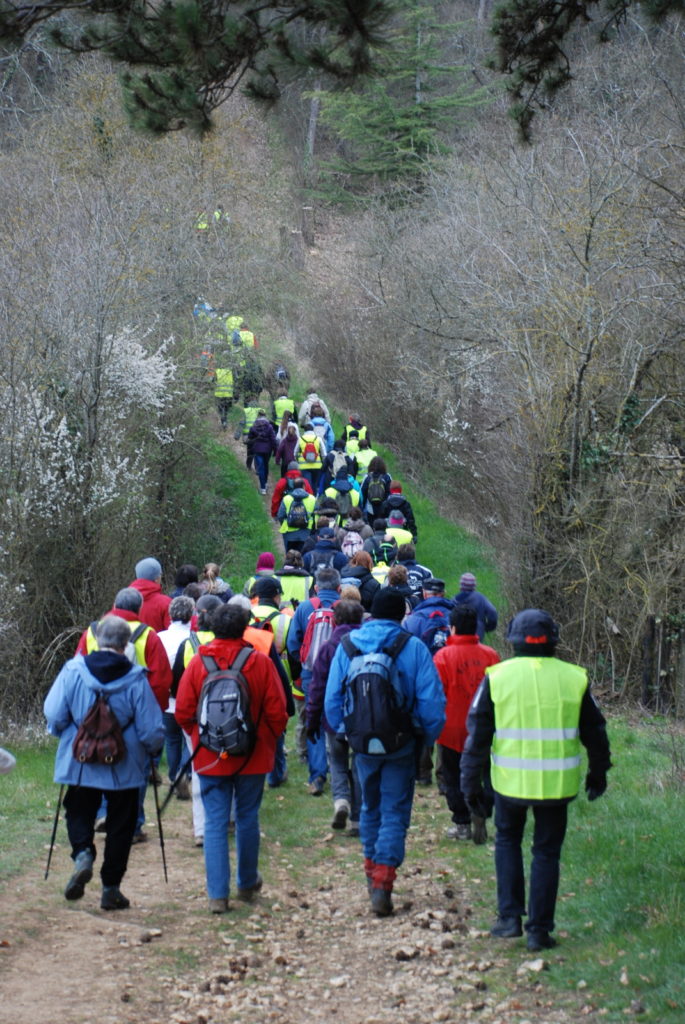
point(341, 812)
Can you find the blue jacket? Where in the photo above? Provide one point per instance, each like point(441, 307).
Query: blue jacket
point(132, 701)
point(418, 621)
point(485, 611)
point(328, 435)
point(328, 550)
point(418, 678)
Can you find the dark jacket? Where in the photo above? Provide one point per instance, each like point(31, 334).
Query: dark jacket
point(261, 439)
point(362, 579)
point(425, 611)
point(324, 551)
point(398, 503)
point(485, 611)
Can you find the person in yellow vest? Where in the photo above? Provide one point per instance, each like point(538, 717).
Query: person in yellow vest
point(266, 615)
point(247, 337)
point(397, 528)
point(250, 414)
point(531, 714)
point(364, 455)
point(223, 392)
point(283, 405)
point(309, 455)
point(344, 494)
point(296, 515)
point(356, 427)
point(296, 583)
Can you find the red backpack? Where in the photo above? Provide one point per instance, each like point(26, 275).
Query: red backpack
point(318, 631)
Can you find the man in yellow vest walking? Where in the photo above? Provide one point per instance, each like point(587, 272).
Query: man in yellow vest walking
point(531, 713)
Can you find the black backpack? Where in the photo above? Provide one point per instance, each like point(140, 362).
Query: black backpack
point(377, 489)
point(297, 516)
point(376, 720)
point(223, 711)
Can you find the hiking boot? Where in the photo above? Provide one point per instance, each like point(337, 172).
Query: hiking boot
point(101, 824)
point(424, 780)
point(536, 941)
point(113, 898)
point(381, 902)
point(353, 829)
point(459, 832)
point(507, 928)
point(183, 789)
point(139, 837)
point(247, 895)
point(82, 874)
point(218, 906)
point(479, 832)
point(341, 810)
point(316, 787)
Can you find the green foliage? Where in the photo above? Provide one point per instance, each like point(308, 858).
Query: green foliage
point(194, 53)
point(389, 129)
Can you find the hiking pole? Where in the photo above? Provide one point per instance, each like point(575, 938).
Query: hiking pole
point(176, 781)
point(155, 786)
point(54, 832)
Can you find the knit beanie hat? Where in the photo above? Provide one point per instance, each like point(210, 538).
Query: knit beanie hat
point(266, 561)
point(148, 569)
point(293, 465)
point(467, 582)
point(388, 604)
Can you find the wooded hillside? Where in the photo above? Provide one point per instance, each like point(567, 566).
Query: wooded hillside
point(509, 317)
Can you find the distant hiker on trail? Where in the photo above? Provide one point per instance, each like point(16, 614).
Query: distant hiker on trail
point(266, 595)
point(224, 387)
point(461, 665)
point(529, 717)
point(155, 607)
point(397, 529)
point(416, 574)
point(355, 426)
point(285, 484)
point(345, 788)
point(337, 459)
point(250, 413)
point(375, 488)
point(233, 779)
point(295, 514)
point(396, 502)
point(212, 583)
point(364, 454)
point(352, 532)
point(309, 453)
point(108, 671)
point(296, 582)
point(385, 746)
point(185, 574)
point(312, 625)
point(287, 448)
point(359, 572)
point(325, 552)
point(321, 428)
point(305, 409)
point(468, 596)
point(380, 546)
point(261, 442)
point(344, 493)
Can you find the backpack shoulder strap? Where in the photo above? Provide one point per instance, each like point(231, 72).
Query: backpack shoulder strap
point(351, 650)
point(265, 622)
point(393, 649)
point(241, 659)
point(194, 641)
point(138, 631)
point(209, 663)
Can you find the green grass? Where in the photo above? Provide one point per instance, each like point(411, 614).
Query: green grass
point(28, 800)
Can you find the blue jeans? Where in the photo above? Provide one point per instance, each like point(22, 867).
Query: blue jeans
point(387, 785)
point(344, 779)
point(174, 745)
point(316, 749)
point(280, 769)
point(261, 462)
point(548, 837)
point(218, 793)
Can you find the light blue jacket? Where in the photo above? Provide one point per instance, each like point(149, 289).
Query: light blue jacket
point(132, 701)
point(327, 430)
point(418, 678)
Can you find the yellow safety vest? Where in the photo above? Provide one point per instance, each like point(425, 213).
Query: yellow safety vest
point(309, 502)
point(295, 588)
point(380, 572)
point(309, 437)
point(400, 535)
point(139, 644)
point(202, 222)
point(535, 751)
point(332, 492)
point(233, 323)
point(361, 431)
point(282, 406)
point(251, 414)
point(363, 459)
point(204, 636)
point(224, 384)
point(279, 622)
point(247, 338)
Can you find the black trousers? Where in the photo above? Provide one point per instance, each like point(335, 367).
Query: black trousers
point(82, 804)
point(451, 763)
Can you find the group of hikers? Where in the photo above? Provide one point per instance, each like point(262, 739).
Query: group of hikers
point(359, 643)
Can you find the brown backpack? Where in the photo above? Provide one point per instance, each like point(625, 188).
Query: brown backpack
point(100, 739)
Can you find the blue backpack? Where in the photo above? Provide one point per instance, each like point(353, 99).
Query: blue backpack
point(374, 713)
point(437, 630)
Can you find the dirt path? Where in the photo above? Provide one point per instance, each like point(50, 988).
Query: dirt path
point(302, 951)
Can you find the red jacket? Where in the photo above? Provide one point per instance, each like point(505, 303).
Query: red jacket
point(156, 660)
point(155, 610)
point(267, 707)
point(461, 666)
point(279, 489)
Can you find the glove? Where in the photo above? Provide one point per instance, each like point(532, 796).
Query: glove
point(479, 804)
point(595, 784)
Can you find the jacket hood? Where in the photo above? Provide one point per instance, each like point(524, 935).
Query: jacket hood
point(147, 588)
point(116, 685)
point(297, 492)
point(340, 631)
point(431, 604)
point(374, 634)
point(357, 572)
point(341, 484)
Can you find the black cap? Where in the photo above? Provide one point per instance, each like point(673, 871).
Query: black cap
point(533, 627)
point(267, 587)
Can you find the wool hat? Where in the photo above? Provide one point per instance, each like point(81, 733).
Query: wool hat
point(433, 586)
point(266, 561)
point(267, 587)
point(293, 465)
point(533, 627)
point(388, 604)
point(148, 569)
point(467, 581)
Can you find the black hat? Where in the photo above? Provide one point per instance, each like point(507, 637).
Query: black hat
point(533, 628)
point(267, 587)
point(434, 586)
point(388, 604)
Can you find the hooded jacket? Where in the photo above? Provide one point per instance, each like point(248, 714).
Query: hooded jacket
point(461, 665)
point(155, 608)
point(261, 438)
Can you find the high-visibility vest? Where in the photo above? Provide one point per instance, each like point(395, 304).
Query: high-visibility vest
point(139, 643)
point(224, 384)
point(233, 323)
point(295, 587)
point(309, 502)
point(361, 432)
point(251, 414)
point(202, 222)
point(247, 338)
point(309, 437)
point(535, 752)
point(401, 535)
point(283, 405)
point(279, 622)
point(364, 457)
point(333, 492)
point(191, 643)
point(261, 639)
point(380, 572)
